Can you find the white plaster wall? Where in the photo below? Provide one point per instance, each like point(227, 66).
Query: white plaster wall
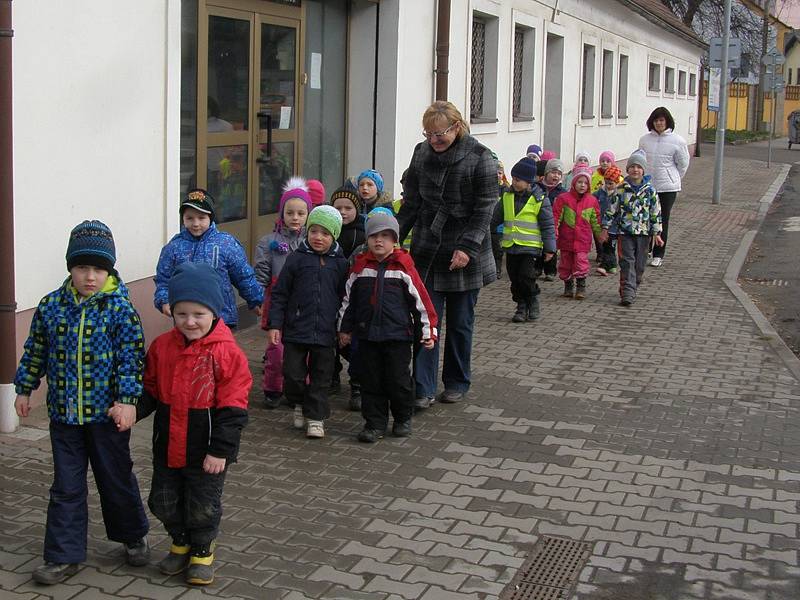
point(96, 89)
point(599, 22)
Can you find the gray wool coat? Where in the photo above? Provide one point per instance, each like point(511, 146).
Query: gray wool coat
point(449, 198)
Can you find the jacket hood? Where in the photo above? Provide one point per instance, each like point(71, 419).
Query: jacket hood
point(113, 287)
point(398, 255)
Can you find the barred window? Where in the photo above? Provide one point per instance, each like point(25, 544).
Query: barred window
point(483, 70)
point(478, 66)
point(607, 91)
point(519, 54)
point(587, 83)
point(524, 47)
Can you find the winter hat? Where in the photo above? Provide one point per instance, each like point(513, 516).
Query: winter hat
point(91, 243)
point(607, 155)
point(317, 191)
point(375, 176)
point(380, 210)
point(548, 154)
point(582, 154)
point(326, 217)
point(201, 200)
point(535, 150)
point(638, 157)
point(581, 171)
point(554, 164)
point(196, 282)
point(613, 173)
point(347, 192)
point(295, 188)
point(378, 221)
point(525, 169)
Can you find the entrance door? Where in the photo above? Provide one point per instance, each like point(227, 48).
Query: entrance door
point(250, 94)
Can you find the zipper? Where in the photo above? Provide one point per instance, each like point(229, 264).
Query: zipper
point(80, 366)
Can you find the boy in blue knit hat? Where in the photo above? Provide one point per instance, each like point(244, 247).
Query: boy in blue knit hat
point(371, 190)
point(87, 339)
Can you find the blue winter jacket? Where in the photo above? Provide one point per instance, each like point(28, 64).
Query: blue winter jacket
point(223, 252)
point(92, 353)
point(306, 299)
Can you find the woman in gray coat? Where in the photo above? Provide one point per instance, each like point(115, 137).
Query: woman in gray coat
point(449, 194)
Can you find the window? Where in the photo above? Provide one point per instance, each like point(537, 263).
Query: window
point(587, 84)
point(607, 91)
point(789, 82)
point(483, 84)
point(692, 84)
point(622, 88)
point(669, 80)
point(682, 83)
point(654, 77)
point(524, 48)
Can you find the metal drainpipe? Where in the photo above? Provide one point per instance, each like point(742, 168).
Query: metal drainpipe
point(8, 306)
point(442, 48)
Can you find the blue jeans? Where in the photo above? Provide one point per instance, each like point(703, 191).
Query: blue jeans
point(460, 318)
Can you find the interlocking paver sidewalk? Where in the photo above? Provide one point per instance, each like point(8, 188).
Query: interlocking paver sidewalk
point(665, 434)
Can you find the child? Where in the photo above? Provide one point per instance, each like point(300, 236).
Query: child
point(607, 250)
point(636, 213)
point(201, 241)
point(305, 303)
point(386, 307)
point(534, 152)
point(497, 231)
point(581, 158)
point(316, 191)
point(351, 239)
point(371, 191)
point(551, 185)
point(577, 217)
point(86, 338)
point(197, 381)
point(528, 233)
point(607, 159)
point(271, 253)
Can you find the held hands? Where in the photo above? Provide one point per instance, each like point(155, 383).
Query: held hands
point(213, 465)
point(165, 308)
point(428, 343)
point(459, 261)
point(603, 237)
point(124, 415)
point(345, 339)
point(658, 241)
point(274, 336)
point(548, 256)
point(22, 405)
point(257, 310)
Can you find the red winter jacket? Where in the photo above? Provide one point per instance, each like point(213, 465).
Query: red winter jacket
point(576, 218)
point(199, 393)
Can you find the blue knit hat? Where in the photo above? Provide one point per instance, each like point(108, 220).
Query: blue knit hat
point(375, 176)
point(91, 243)
point(196, 282)
point(525, 169)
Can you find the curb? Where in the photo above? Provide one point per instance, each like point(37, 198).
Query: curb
point(731, 279)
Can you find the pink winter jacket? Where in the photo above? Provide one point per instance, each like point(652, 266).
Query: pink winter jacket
point(576, 218)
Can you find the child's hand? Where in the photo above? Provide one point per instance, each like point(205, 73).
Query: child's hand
point(428, 343)
point(603, 237)
point(22, 405)
point(274, 336)
point(345, 339)
point(165, 308)
point(257, 310)
point(548, 256)
point(658, 241)
point(124, 415)
point(213, 465)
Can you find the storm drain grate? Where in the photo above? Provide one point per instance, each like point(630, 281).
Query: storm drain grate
point(550, 571)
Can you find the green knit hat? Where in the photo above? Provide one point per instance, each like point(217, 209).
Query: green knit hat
point(327, 217)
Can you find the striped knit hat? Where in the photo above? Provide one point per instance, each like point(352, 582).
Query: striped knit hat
point(91, 243)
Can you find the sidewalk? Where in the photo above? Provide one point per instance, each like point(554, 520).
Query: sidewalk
point(665, 435)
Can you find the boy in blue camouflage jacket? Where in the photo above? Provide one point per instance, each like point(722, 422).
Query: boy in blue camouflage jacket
point(86, 338)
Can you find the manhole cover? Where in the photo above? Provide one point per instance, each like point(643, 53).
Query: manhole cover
point(550, 571)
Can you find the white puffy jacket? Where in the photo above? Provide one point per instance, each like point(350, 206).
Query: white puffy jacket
point(667, 159)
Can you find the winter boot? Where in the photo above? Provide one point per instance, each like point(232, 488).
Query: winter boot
point(580, 291)
point(533, 309)
point(519, 316)
point(176, 561)
point(201, 570)
point(569, 288)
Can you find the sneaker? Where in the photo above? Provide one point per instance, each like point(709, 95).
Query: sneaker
point(315, 430)
point(298, 420)
point(402, 429)
point(625, 302)
point(656, 262)
point(450, 397)
point(200, 570)
point(423, 402)
point(370, 436)
point(601, 271)
point(137, 554)
point(50, 573)
point(272, 400)
point(175, 561)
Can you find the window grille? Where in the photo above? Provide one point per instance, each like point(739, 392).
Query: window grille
point(478, 65)
point(519, 56)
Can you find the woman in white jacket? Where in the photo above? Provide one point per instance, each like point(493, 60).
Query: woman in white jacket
point(668, 159)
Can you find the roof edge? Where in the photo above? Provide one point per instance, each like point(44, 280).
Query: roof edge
point(692, 38)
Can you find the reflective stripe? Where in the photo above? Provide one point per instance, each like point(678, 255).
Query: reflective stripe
point(522, 228)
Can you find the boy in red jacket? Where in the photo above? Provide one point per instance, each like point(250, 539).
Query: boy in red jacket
point(386, 307)
point(197, 380)
point(576, 214)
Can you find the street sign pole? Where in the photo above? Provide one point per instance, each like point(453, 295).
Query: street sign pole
point(723, 106)
point(771, 128)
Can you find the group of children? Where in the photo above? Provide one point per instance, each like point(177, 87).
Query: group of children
point(328, 276)
point(540, 224)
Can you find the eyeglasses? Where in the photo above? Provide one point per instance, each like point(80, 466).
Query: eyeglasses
point(438, 134)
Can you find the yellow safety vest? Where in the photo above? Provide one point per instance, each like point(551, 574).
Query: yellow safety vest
point(522, 228)
point(396, 204)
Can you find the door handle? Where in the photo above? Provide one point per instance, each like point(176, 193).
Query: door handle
point(266, 116)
